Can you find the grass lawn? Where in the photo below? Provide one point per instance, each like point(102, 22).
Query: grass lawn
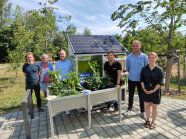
point(12, 91)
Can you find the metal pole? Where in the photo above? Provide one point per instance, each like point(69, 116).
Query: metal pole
point(89, 111)
point(51, 118)
point(119, 99)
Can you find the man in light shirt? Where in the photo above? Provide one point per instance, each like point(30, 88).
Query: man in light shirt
point(64, 66)
point(134, 63)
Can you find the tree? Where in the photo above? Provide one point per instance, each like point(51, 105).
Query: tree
point(164, 16)
point(87, 31)
point(61, 41)
point(5, 13)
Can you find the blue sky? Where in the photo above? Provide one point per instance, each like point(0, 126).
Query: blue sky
point(93, 14)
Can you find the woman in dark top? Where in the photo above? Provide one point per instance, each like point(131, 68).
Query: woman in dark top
point(32, 71)
point(151, 80)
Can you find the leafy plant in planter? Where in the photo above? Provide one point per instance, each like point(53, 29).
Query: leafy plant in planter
point(96, 82)
point(64, 87)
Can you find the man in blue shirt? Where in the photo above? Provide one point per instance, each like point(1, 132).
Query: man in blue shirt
point(64, 66)
point(134, 63)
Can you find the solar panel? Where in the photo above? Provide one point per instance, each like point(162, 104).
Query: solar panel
point(90, 44)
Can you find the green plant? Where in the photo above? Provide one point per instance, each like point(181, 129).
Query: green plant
point(73, 81)
point(94, 67)
point(64, 87)
point(96, 82)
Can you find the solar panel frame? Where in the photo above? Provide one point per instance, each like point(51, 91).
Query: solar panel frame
point(91, 44)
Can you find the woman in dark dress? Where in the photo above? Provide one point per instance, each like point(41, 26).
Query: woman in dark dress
point(151, 81)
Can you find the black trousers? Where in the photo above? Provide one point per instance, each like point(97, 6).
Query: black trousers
point(36, 89)
point(131, 86)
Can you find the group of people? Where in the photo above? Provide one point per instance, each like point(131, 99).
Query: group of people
point(37, 74)
point(143, 74)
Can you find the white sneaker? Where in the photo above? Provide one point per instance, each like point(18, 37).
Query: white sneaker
point(67, 112)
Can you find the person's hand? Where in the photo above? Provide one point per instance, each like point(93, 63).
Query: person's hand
point(145, 91)
point(151, 91)
point(118, 86)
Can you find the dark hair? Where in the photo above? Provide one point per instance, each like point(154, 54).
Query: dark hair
point(110, 52)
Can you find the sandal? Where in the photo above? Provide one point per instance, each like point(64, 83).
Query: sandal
point(147, 124)
point(152, 126)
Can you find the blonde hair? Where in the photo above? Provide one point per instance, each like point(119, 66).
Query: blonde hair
point(154, 54)
point(30, 53)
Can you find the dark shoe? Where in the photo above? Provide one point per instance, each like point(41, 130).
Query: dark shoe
point(147, 124)
point(114, 111)
point(40, 109)
point(142, 115)
point(108, 106)
point(152, 126)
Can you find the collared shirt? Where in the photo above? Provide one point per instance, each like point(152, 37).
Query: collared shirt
point(64, 67)
point(134, 64)
point(151, 77)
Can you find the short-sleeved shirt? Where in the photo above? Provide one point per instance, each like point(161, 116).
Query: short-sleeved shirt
point(112, 70)
point(31, 70)
point(151, 77)
point(135, 64)
point(65, 67)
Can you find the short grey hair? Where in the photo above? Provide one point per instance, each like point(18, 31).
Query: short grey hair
point(43, 55)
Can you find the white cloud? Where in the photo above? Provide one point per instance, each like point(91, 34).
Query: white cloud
point(90, 17)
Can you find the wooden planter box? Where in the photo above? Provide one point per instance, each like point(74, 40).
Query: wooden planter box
point(60, 104)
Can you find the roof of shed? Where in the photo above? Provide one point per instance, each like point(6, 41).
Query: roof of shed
point(92, 44)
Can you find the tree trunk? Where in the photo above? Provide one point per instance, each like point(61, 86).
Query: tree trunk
point(168, 74)
point(184, 66)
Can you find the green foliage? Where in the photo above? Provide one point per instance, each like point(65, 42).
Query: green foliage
point(94, 67)
point(87, 31)
point(96, 82)
point(5, 13)
point(175, 80)
point(70, 86)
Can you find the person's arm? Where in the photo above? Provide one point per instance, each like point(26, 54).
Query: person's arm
point(39, 69)
point(118, 79)
point(23, 69)
point(142, 81)
point(39, 73)
point(143, 87)
point(160, 81)
point(56, 67)
point(127, 64)
point(155, 89)
point(146, 60)
point(105, 73)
